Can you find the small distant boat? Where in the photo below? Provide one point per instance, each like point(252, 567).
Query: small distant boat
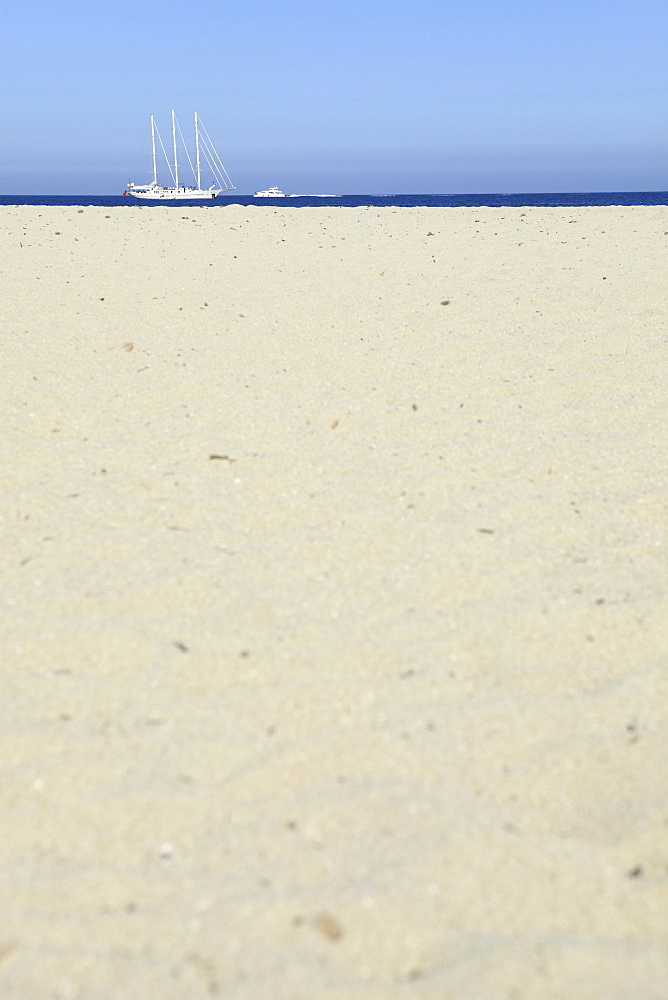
point(178, 191)
point(272, 192)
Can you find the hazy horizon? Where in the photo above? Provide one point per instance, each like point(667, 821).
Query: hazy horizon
point(367, 98)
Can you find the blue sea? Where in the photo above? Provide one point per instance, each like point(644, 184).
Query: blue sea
point(549, 200)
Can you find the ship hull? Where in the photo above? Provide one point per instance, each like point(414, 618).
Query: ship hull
point(172, 194)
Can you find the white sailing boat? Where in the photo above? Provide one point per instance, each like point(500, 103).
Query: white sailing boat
point(178, 191)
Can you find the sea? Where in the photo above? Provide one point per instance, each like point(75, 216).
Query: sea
point(548, 200)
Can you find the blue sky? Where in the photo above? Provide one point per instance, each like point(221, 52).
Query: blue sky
point(347, 97)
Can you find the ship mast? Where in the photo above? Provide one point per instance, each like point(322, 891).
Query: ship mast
point(155, 163)
point(199, 182)
point(176, 164)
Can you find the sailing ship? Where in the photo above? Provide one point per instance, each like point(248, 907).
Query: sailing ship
point(178, 191)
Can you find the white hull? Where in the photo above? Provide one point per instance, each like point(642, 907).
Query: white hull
point(272, 192)
point(172, 194)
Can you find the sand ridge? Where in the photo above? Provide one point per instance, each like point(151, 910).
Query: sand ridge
point(334, 603)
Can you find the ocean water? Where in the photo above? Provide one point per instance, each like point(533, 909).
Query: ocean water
point(556, 200)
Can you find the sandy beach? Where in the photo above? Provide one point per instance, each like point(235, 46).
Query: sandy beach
point(334, 604)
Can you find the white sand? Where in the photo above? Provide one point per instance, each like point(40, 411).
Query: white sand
point(374, 704)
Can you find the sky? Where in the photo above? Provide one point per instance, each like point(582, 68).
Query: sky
point(347, 97)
